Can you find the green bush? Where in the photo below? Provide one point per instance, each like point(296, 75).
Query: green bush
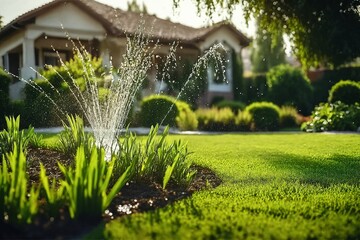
point(336, 116)
point(290, 86)
point(238, 76)
point(265, 116)
point(345, 91)
point(323, 80)
point(5, 80)
point(17, 108)
point(186, 120)
point(255, 88)
point(288, 117)
point(38, 108)
point(214, 119)
point(48, 100)
point(235, 106)
point(243, 121)
point(166, 110)
point(158, 109)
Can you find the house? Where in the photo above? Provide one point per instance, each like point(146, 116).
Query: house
point(27, 42)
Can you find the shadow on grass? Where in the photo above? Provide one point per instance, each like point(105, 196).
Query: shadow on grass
point(332, 169)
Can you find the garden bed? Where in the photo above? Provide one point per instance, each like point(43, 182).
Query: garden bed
point(133, 198)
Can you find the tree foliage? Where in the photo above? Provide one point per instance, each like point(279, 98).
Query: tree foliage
point(323, 32)
point(289, 86)
point(238, 78)
point(133, 6)
point(267, 52)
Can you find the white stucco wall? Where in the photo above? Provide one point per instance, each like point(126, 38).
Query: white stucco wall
point(11, 42)
point(73, 20)
point(227, 37)
point(223, 34)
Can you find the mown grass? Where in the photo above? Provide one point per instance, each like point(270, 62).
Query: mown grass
point(275, 186)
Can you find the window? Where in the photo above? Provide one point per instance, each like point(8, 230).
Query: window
point(53, 58)
point(220, 72)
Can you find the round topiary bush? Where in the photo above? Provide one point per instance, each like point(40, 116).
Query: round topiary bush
point(290, 86)
point(158, 109)
point(346, 91)
point(265, 116)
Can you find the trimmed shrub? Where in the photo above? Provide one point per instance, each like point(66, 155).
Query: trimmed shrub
point(186, 120)
point(235, 106)
point(243, 121)
point(345, 91)
point(165, 110)
point(214, 119)
point(38, 109)
point(48, 100)
point(158, 109)
point(288, 117)
point(17, 108)
point(334, 117)
point(290, 86)
point(323, 80)
point(5, 80)
point(265, 116)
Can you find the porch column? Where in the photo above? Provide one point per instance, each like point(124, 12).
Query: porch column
point(28, 59)
point(106, 58)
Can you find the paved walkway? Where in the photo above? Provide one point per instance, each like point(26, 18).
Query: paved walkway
point(145, 131)
point(137, 130)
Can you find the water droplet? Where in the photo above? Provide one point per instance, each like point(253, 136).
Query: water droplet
point(45, 37)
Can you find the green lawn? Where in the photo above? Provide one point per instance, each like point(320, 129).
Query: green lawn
point(282, 186)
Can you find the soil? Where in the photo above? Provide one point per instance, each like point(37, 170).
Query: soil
point(133, 198)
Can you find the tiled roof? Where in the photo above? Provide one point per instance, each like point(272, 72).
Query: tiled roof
point(118, 22)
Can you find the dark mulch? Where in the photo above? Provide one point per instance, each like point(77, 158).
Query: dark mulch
point(133, 198)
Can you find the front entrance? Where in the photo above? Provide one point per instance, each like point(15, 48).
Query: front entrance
point(14, 64)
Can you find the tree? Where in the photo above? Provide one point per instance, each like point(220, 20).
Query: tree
point(323, 31)
point(1, 23)
point(267, 52)
point(238, 76)
point(133, 6)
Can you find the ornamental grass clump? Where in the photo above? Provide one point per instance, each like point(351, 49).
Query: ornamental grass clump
point(87, 185)
point(17, 205)
point(74, 136)
point(53, 194)
point(215, 119)
point(12, 134)
point(155, 159)
point(289, 117)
